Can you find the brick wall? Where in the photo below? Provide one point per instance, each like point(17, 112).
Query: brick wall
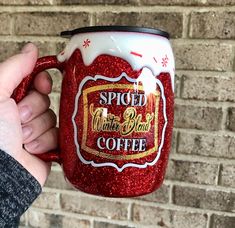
point(199, 190)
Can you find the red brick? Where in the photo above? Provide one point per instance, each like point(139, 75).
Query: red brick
point(9, 48)
point(193, 172)
point(204, 198)
point(159, 217)
point(187, 219)
point(203, 56)
point(231, 119)
point(195, 86)
point(174, 2)
point(57, 180)
point(46, 220)
point(109, 225)
point(190, 2)
point(198, 117)
point(227, 176)
point(213, 25)
point(222, 221)
point(221, 2)
point(5, 23)
point(97, 2)
point(208, 86)
point(48, 200)
point(148, 215)
point(49, 23)
point(161, 195)
point(206, 145)
point(26, 2)
point(94, 206)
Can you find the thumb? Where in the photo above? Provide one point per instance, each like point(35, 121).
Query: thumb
point(14, 69)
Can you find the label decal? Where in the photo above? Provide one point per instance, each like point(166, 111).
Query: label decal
point(131, 121)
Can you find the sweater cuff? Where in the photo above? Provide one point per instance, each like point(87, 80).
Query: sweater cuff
point(18, 188)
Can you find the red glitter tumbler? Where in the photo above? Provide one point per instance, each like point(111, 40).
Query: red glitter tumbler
point(116, 108)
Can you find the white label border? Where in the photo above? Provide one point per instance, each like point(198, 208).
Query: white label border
point(120, 169)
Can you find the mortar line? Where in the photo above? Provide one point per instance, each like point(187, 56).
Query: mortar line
point(102, 8)
point(26, 218)
point(196, 158)
point(211, 41)
point(140, 203)
point(139, 3)
point(201, 186)
point(181, 86)
point(92, 19)
point(175, 131)
point(171, 194)
point(204, 103)
point(200, 70)
point(136, 200)
point(130, 211)
point(132, 200)
point(205, 74)
point(233, 65)
point(83, 216)
point(177, 141)
point(224, 116)
point(218, 179)
point(92, 223)
point(12, 26)
point(208, 225)
point(21, 38)
point(56, 168)
point(202, 132)
point(186, 25)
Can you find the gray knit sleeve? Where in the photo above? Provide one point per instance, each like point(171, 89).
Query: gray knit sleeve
point(18, 189)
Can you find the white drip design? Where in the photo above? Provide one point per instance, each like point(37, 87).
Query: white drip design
point(138, 49)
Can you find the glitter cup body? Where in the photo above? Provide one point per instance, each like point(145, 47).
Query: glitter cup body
point(116, 111)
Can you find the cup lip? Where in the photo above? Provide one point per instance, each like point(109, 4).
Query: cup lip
point(115, 28)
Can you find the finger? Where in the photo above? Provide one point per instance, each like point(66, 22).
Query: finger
point(38, 126)
point(32, 106)
point(14, 69)
point(43, 143)
point(43, 83)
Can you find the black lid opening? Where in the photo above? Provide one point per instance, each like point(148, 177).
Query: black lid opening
point(114, 28)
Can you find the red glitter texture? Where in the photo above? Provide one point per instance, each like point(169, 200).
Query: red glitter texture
point(107, 181)
point(104, 181)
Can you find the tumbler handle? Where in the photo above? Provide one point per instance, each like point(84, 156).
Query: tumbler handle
point(21, 91)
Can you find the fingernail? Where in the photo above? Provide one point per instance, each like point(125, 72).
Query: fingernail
point(26, 131)
point(32, 146)
point(27, 48)
point(25, 113)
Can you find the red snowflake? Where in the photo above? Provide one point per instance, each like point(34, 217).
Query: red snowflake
point(136, 54)
point(165, 61)
point(86, 43)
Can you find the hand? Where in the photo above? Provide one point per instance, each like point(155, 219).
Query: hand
point(30, 122)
